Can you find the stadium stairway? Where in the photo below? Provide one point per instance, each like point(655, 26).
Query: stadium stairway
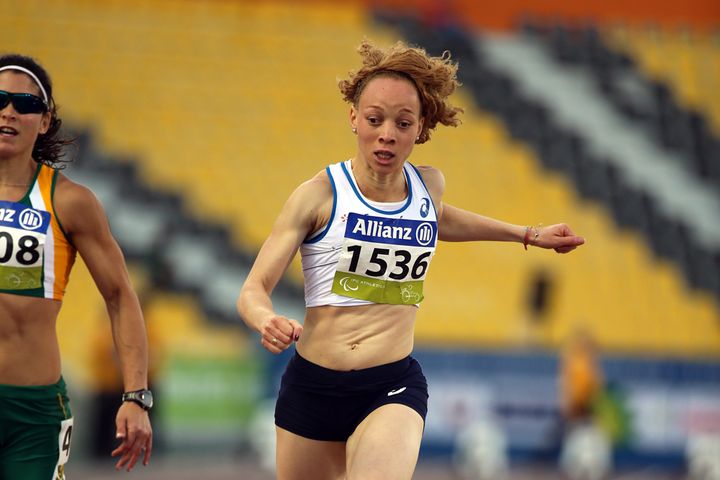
point(631, 282)
point(187, 108)
point(686, 60)
point(594, 138)
point(230, 105)
point(186, 271)
point(676, 110)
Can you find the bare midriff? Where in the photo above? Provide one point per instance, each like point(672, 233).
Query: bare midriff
point(29, 351)
point(352, 338)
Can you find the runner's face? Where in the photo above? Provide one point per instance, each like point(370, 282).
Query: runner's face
point(18, 132)
point(387, 119)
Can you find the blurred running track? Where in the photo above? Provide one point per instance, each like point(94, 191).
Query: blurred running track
point(208, 468)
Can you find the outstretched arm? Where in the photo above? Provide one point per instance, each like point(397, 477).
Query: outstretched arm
point(297, 219)
point(458, 225)
point(86, 224)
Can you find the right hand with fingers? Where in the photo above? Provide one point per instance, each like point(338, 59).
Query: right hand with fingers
point(278, 332)
point(135, 434)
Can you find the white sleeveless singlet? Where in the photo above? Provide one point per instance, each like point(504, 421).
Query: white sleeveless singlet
point(370, 252)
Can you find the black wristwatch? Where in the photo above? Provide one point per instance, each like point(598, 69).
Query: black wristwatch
point(143, 397)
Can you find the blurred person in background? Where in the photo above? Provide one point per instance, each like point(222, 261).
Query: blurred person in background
point(45, 219)
point(586, 449)
point(352, 401)
point(581, 378)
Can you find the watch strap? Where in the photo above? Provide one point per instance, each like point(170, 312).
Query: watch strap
point(135, 396)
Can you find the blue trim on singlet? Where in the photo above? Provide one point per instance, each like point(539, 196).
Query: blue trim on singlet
point(362, 199)
point(426, 189)
point(322, 234)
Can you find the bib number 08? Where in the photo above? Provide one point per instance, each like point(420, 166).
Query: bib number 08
point(399, 264)
point(27, 253)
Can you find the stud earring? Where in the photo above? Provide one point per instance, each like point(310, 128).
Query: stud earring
point(354, 130)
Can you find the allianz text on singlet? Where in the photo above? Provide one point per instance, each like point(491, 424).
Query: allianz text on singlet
point(371, 252)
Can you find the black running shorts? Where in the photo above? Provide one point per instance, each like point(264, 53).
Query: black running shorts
point(322, 404)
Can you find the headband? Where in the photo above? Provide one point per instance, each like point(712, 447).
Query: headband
point(32, 75)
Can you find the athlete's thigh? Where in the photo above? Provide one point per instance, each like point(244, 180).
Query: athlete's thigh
point(33, 454)
point(385, 445)
point(39, 469)
point(300, 458)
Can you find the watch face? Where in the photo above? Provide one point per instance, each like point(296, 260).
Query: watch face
point(147, 398)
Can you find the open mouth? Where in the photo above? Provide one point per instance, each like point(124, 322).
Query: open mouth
point(8, 131)
point(384, 155)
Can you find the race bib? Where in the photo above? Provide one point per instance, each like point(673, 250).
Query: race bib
point(385, 260)
point(23, 231)
point(64, 439)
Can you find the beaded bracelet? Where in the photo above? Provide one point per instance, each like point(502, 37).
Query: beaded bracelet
point(526, 237)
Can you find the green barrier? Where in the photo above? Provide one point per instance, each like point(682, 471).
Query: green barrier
point(203, 399)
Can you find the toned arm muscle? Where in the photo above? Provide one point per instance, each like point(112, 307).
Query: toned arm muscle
point(458, 225)
point(85, 221)
point(304, 212)
point(86, 224)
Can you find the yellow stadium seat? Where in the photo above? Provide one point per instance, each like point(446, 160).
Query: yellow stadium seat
point(234, 104)
point(689, 61)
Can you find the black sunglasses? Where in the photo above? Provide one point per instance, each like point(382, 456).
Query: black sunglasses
point(22, 102)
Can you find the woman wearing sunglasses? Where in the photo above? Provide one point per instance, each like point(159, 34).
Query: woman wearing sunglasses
point(352, 401)
point(45, 219)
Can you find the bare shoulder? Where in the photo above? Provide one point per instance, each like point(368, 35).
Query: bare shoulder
point(434, 180)
point(319, 186)
point(311, 203)
point(312, 193)
point(74, 202)
point(68, 192)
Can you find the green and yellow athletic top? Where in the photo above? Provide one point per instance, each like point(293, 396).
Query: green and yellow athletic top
point(35, 254)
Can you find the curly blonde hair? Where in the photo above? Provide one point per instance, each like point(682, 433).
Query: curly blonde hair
point(435, 79)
